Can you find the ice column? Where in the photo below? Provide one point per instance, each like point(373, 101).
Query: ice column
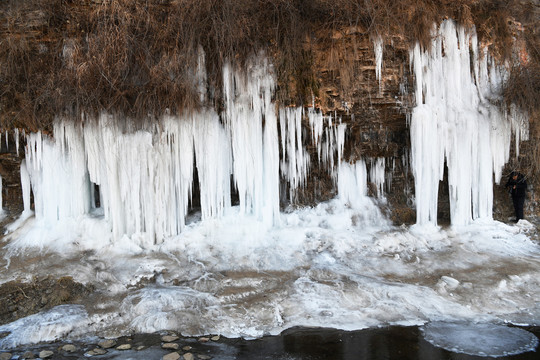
point(251, 121)
point(455, 123)
point(352, 189)
point(352, 183)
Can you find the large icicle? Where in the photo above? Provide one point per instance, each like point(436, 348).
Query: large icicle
point(455, 123)
point(378, 49)
point(248, 101)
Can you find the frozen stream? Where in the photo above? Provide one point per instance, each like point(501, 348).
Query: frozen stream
point(321, 267)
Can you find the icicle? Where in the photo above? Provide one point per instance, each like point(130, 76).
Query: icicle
point(1, 197)
point(296, 160)
point(25, 186)
point(378, 48)
point(377, 175)
point(213, 164)
point(329, 150)
point(17, 141)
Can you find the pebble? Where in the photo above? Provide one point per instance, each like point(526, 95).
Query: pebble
point(204, 357)
point(189, 356)
point(169, 338)
point(171, 356)
point(170, 346)
point(215, 338)
point(44, 354)
point(107, 344)
point(96, 351)
point(124, 347)
point(69, 348)
point(140, 347)
point(204, 339)
point(28, 355)
point(5, 356)
point(187, 348)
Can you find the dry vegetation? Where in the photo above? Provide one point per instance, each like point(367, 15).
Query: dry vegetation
point(136, 57)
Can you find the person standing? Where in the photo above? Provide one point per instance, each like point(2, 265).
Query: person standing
point(517, 186)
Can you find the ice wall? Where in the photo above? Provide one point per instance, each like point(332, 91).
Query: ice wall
point(144, 179)
point(455, 124)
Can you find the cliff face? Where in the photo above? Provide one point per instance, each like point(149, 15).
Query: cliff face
point(339, 68)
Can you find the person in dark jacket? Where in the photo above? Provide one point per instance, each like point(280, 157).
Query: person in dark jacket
point(517, 186)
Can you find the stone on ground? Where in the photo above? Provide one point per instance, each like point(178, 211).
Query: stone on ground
point(171, 356)
point(169, 338)
point(107, 344)
point(45, 354)
point(69, 348)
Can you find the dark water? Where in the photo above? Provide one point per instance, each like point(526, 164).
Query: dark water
point(294, 344)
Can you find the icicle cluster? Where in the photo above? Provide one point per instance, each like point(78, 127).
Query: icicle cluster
point(329, 140)
point(142, 182)
point(454, 123)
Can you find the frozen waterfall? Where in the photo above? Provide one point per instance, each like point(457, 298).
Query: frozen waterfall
point(142, 182)
point(455, 124)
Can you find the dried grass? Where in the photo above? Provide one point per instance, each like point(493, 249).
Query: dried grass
point(136, 57)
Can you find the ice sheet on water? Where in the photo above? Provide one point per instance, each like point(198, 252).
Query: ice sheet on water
point(58, 322)
point(488, 340)
point(160, 308)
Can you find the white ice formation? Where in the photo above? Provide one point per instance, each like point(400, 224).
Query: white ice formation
point(144, 179)
point(456, 124)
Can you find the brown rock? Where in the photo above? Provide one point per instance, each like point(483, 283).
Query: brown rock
point(169, 338)
point(28, 355)
point(170, 346)
point(45, 354)
point(107, 344)
point(171, 356)
point(69, 348)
